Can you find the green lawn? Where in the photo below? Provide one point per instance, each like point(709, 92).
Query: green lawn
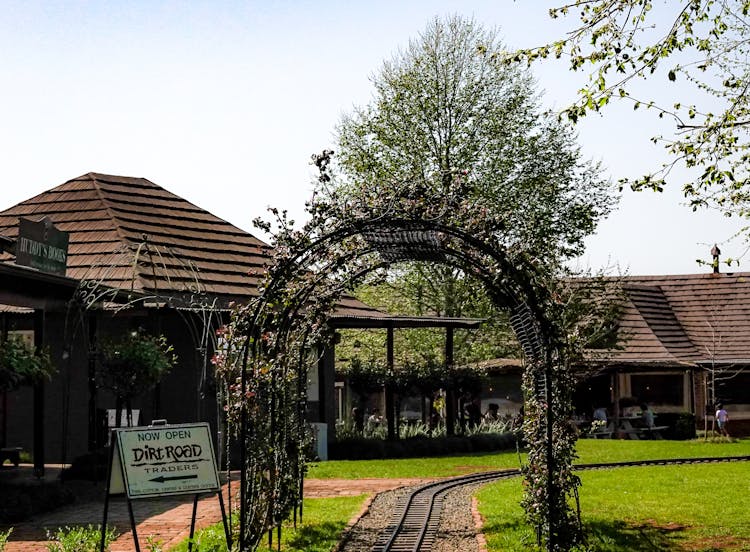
point(589, 451)
point(413, 467)
point(615, 450)
point(627, 509)
point(323, 523)
point(697, 507)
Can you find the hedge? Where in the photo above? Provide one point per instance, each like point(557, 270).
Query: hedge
point(361, 448)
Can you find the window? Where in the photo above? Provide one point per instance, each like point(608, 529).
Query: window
point(658, 389)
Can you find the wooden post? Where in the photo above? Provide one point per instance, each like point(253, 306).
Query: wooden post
point(93, 437)
point(450, 394)
point(390, 407)
point(327, 388)
point(39, 400)
point(4, 395)
point(616, 401)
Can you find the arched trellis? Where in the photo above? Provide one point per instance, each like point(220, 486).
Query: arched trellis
point(287, 321)
point(172, 280)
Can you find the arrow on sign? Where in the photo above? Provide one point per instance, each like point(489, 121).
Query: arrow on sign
point(162, 479)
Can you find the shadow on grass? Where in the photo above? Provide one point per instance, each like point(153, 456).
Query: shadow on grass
point(619, 536)
point(313, 538)
point(601, 536)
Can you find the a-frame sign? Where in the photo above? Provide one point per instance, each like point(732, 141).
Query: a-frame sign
point(162, 460)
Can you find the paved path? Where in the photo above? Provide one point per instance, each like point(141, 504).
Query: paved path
point(167, 519)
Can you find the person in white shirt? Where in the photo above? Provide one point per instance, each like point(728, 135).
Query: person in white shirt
point(722, 418)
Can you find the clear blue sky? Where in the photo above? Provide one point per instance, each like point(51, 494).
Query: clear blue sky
point(223, 103)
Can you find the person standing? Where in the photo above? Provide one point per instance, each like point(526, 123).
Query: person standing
point(647, 416)
point(722, 418)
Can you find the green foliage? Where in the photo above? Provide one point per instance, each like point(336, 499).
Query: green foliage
point(445, 112)
point(412, 379)
point(135, 363)
point(79, 539)
point(420, 289)
point(276, 434)
point(365, 377)
point(696, 52)
point(590, 451)
point(681, 425)
point(209, 539)
point(359, 448)
point(452, 164)
point(591, 312)
point(4, 535)
point(154, 545)
point(21, 365)
point(550, 482)
point(633, 509)
point(321, 528)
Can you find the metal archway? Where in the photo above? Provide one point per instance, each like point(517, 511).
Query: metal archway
point(287, 319)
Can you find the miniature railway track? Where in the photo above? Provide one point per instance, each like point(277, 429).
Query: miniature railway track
point(415, 521)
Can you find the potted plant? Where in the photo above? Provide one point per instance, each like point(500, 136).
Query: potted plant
point(133, 364)
point(21, 364)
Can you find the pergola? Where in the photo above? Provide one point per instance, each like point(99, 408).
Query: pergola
point(27, 288)
point(326, 367)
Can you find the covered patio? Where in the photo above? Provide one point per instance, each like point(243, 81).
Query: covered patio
point(325, 405)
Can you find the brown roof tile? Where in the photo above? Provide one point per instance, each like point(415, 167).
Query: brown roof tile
point(108, 216)
point(689, 318)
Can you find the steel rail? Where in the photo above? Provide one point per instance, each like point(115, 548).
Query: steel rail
point(415, 522)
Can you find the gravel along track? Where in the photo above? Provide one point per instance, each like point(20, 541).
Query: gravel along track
point(363, 535)
point(456, 532)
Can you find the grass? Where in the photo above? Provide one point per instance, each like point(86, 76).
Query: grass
point(695, 507)
point(589, 451)
point(323, 522)
point(413, 467)
point(615, 450)
point(618, 518)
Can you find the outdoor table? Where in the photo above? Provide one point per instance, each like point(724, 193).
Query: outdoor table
point(603, 433)
point(633, 427)
point(629, 425)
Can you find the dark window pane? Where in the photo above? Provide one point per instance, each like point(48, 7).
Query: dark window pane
point(666, 389)
point(735, 390)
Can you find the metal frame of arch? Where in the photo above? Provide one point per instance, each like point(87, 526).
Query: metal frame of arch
point(357, 248)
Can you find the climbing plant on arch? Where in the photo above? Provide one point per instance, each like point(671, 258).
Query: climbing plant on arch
point(277, 335)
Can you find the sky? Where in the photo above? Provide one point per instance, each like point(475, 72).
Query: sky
point(223, 103)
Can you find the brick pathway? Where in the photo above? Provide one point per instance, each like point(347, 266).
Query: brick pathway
point(168, 519)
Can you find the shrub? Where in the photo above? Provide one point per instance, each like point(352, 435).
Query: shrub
point(4, 538)
point(134, 363)
point(21, 364)
point(370, 449)
point(681, 425)
point(24, 500)
point(79, 539)
point(92, 466)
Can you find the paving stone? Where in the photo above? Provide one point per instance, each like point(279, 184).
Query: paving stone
point(166, 519)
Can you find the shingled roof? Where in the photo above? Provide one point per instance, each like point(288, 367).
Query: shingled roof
point(683, 320)
point(129, 233)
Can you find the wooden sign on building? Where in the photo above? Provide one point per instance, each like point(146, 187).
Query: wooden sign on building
point(42, 246)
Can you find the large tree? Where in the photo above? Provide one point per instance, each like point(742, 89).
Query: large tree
point(454, 135)
point(695, 52)
point(445, 109)
point(446, 113)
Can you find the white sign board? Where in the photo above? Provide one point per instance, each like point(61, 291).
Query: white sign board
point(163, 460)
